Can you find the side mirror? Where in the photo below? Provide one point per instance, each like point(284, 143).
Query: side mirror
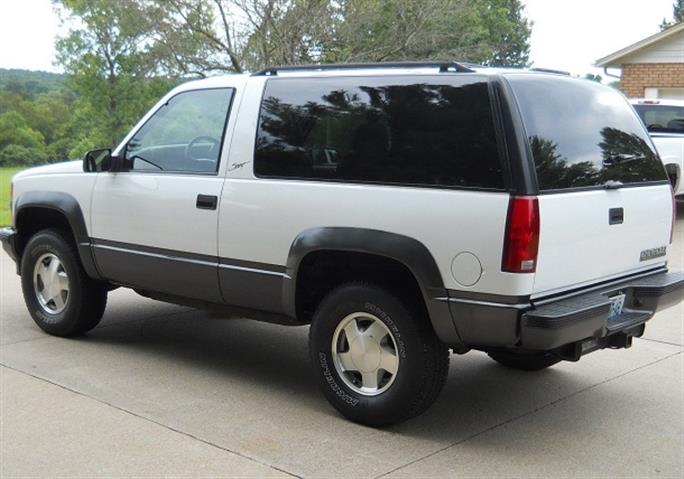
point(99, 160)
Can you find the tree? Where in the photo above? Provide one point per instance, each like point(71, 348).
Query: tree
point(201, 36)
point(205, 36)
point(592, 77)
point(491, 32)
point(19, 143)
point(677, 15)
point(511, 33)
point(106, 55)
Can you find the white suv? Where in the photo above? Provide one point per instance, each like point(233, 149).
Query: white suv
point(400, 209)
point(664, 120)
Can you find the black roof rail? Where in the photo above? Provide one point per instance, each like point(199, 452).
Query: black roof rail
point(549, 70)
point(444, 67)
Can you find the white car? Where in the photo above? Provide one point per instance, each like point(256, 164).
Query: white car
point(664, 120)
point(401, 210)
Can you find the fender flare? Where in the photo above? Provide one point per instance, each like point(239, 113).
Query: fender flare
point(69, 207)
point(408, 251)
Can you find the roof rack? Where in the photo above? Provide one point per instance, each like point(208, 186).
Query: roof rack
point(549, 70)
point(444, 67)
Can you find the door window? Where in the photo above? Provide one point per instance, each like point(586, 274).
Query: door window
point(184, 135)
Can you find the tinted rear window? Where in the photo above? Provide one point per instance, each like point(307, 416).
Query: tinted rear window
point(583, 134)
point(662, 118)
point(424, 131)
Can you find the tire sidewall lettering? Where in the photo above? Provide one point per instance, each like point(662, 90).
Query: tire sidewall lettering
point(332, 384)
point(387, 319)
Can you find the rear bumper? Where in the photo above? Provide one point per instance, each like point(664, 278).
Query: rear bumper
point(8, 239)
point(576, 320)
point(557, 322)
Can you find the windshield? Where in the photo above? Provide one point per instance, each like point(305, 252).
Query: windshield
point(583, 134)
point(662, 118)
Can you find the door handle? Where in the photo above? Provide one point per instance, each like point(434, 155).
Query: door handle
point(206, 202)
point(616, 216)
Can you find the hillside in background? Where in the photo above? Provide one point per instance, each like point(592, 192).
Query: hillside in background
point(36, 117)
point(30, 83)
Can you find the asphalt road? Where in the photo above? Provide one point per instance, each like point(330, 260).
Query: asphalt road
point(161, 390)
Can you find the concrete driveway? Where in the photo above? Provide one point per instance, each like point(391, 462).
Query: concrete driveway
point(160, 390)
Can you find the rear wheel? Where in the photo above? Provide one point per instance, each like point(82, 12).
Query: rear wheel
point(60, 296)
point(525, 361)
point(378, 361)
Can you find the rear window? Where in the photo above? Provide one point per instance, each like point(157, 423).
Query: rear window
point(583, 134)
point(423, 131)
point(662, 118)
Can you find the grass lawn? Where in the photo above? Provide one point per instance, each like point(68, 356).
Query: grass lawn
point(6, 175)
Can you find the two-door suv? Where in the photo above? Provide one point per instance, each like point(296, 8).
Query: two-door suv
point(402, 210)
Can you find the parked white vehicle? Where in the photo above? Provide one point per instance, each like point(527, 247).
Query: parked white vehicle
point(664, 120)
point(400, 209)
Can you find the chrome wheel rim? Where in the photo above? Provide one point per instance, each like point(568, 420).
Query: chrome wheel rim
point(365, 354)
point(51, 284)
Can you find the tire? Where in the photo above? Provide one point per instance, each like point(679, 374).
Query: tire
point(73, 309)
point(420, 360)
point(524, 361)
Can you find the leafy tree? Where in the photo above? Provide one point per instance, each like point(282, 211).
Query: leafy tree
point(592, 77)
point(17, 155)
point(39, 122)
point(106, 55)
point(677, 15)
point(15, 131)
point(202, 36)
point(19, 144)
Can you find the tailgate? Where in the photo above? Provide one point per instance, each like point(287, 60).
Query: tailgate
point(579, 245)
point(605, 202)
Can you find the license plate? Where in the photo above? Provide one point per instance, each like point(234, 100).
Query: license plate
point(617, 303)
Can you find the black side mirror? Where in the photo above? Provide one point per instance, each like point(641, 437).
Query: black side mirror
point(99, 160)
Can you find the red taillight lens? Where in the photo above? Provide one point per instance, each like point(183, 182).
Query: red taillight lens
point(522, 235)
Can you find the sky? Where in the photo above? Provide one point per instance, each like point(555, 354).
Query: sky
point(567, 35)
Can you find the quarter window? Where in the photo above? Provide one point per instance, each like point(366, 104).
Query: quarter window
point(184, 135)
point(423, 131)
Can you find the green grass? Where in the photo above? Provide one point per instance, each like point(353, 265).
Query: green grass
point(6, 175)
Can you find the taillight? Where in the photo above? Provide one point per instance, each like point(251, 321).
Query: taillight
point(521, 242)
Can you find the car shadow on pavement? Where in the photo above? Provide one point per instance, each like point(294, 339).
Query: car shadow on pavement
point(479, 393)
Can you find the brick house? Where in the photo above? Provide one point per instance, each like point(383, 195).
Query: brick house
point(652, 67)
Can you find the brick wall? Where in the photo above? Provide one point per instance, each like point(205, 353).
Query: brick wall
point(637, 76)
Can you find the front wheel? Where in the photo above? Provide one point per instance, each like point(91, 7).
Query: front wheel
point(59, 295)
point(378, 361)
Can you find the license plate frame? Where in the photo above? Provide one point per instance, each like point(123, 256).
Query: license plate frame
point(617, 305)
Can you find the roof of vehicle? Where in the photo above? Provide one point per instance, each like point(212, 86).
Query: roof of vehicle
point(656, 102)
point(364, 69)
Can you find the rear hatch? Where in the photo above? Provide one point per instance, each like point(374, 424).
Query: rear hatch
point(605, 202)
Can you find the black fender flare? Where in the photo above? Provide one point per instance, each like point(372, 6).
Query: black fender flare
point(408, 251)
point(69, 207)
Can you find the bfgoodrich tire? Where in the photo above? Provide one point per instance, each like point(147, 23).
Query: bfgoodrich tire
point(59, 295)
point(524, 361)
point(377, 359)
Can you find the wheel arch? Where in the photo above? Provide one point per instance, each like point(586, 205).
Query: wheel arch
point(410, 253)
point(36, 210)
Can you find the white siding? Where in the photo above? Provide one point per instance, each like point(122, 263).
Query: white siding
point(669, 50)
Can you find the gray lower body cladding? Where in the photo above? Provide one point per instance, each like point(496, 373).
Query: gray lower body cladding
point(549, 323)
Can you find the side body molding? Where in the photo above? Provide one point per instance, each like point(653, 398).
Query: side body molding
point(408, 251)
point(68, 206)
